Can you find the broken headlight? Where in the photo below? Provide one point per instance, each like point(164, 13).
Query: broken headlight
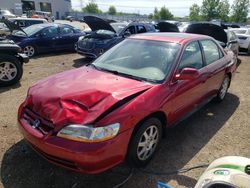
point(84, 133)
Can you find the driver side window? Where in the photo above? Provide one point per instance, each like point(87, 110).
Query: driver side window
point(131, 29)
point(192, 57)
point(50, 32)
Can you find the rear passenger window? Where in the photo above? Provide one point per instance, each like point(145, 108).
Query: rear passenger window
point(192, 57)
point(141, 29)
point(211, 51)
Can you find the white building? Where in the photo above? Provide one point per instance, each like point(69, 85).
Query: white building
point(58, 8)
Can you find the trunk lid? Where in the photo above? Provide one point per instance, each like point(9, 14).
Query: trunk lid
point(209, 29)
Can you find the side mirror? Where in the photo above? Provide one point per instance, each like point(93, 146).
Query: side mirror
point(187, 74)
point(42, 35)
point(126, 34)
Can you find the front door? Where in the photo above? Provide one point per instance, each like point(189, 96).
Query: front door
point(188, 94)
point(48, 39)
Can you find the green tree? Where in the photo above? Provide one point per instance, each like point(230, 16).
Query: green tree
point(194, 14)
point(150, 16)
point(165, 14)
point(92, 8)
point(112, 10)
point(210, 9)
point(240, 10)
point(156, 14)
point(224, 10)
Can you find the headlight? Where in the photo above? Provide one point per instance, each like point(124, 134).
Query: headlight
point(84, 133)
point(80, 38)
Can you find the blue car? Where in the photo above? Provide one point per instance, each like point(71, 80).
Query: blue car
point(42, 38)
point(105, 35)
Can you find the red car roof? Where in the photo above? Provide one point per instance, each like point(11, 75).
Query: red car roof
point(180, 38)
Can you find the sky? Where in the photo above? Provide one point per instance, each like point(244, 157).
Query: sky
point(177, 7)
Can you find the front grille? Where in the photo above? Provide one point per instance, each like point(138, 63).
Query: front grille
point(45, 126)
point(56, 160)
point(86, 44)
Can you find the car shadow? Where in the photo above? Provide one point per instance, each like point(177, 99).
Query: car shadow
point(52, 53)
point(22, 167)
point(82, 61)
point(15, 86)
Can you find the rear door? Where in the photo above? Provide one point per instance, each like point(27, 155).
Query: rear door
point(188, 94)
point(215, 63)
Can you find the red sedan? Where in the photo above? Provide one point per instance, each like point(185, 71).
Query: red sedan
point(93, 118)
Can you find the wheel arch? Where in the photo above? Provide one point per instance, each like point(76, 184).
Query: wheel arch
point(159, 115)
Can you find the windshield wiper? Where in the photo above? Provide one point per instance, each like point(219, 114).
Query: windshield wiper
point(123, 74)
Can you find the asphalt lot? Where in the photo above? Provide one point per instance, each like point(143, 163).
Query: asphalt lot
point(216, 130)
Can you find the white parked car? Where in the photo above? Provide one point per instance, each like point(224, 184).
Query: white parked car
point(243, 35)
point(6, 14)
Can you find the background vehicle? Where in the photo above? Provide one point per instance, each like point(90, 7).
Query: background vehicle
point(93, 118)
point(41, 14)
point(232, 42)
point(11, 63)
point(105, 35)
point(243, 35)
point(26, 22)
point(41, 38)
point(70, 18)
point(225, 39)
point(4, 30)
point(5, 14)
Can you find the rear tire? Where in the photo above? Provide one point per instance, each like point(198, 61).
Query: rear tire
point(11, 70)
point(223, 89)
point(144, 142)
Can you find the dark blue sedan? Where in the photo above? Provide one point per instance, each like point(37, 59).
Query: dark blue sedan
point(42, 38)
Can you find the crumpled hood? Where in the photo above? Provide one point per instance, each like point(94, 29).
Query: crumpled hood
point(80, 95)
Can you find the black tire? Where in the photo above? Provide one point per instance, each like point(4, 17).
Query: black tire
point(133, 150)
point(223, 89)
point(14, 63)
point(248, 50)
point(30, 50)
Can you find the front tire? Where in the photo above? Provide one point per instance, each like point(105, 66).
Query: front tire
point(144, 142)
point(29, 50)
point(11, 70)
point(223, 89)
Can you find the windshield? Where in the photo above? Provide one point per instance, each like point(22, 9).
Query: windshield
point(31, 30)
point(240, 31)
point(118, 27)
point(149, 60)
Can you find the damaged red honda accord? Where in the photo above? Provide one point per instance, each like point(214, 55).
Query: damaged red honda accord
point(93, 118)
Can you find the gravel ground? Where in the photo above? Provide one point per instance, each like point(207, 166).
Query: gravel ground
point(216, 130)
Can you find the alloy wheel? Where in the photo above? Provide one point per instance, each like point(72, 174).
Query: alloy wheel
point(148, 143)
point(8, 71)
point(29, 51)
point(224, 87)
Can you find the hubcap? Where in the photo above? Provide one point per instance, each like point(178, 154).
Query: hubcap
point(75, 46)
point(29, 51)
point(148, 143)
point(224, 87)
point(8, 71)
